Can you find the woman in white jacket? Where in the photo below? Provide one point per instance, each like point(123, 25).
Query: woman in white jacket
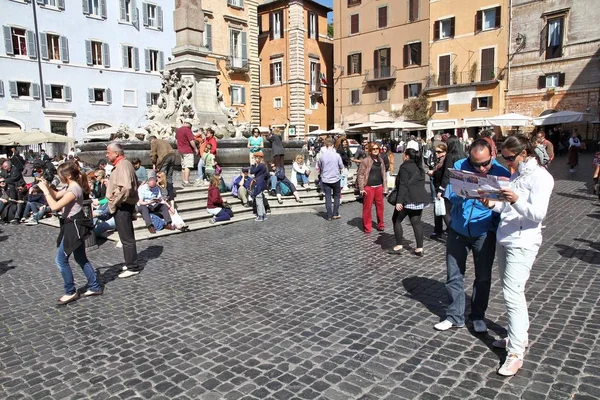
point(519, 238)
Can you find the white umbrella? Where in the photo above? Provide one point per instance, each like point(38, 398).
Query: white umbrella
point(100, 134)
point(512, 119)
point(336, 131)
point(362, 127)
point(35, 137)
point(318, 132)
point(562, 117)
point(408, 126)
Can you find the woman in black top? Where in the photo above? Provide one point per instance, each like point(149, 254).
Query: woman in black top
point(277, 149)
point(346, 155)
point(410, 201)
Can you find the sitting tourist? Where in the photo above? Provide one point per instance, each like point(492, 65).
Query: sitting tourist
point(152, 202)
point(208, 162)
point(215, 205)
point(3, 195)
point(281, 185)
point(301, 171)
point(35, 204)
point(240, 186)
point(15, 204)
point(140, 171)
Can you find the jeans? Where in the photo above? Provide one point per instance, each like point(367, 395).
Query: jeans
point(514, 266)
point(124, 224)
point(457, 250)
point(200, 170)
point(415, 221)
point(260, 206)
point(372, 195)
point(62, 261)
point(103, 226)
point(36, 209)
point(302, 179)
point(167, 167)
point(154, 208)
point(336, 189)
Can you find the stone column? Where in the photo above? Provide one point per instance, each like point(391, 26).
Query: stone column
point(297, 79)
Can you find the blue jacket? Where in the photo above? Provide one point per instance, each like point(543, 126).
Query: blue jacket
point(261, 175)
point(469, 216)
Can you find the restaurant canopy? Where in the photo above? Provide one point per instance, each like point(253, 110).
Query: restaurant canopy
point(562, 117)
point(511, 119)
point(403, 125)
point(34, 137)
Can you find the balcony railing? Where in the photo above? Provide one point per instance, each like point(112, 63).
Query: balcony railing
point(237, 64)
point(380, 74)
point(450, 78)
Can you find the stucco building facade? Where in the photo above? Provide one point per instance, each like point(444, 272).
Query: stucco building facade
point(468, 68)
point(555, 48)
point(296, 60)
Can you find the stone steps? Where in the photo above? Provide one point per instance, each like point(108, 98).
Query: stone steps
point(191, 205)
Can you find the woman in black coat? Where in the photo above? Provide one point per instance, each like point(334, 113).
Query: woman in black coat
point(410, 201)
point(277, 149)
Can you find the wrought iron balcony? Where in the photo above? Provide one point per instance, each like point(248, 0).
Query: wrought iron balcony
point(380, 74)
point(474, 76)
point(237, 64)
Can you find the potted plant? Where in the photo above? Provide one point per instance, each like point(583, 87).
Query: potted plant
point(455, 74)
point(473, 72)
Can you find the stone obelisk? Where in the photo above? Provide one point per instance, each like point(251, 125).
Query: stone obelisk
point(190, 60)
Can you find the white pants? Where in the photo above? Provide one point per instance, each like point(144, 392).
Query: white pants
point(514, 267)
point(213, 211)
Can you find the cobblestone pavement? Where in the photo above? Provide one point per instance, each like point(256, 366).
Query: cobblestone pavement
point(296, 307)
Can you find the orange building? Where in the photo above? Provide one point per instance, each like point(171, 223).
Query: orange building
point(296, 60)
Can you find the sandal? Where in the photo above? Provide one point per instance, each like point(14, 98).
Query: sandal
point(396, 252)
point(68, 299)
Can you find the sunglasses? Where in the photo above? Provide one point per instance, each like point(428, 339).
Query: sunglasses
point(479, 165)
point(510, 158)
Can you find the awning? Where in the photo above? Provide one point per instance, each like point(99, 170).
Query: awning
point(317, 132)
point(472, 123)
point(35, 137)
point(355, 118)
point(442, 124)
point(562, 117)
point(512, 119)
point(336, 131)
point(362, 127)
point(381, 116)
point(407, 126)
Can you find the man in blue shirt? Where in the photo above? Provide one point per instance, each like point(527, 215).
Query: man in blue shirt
point(330, 166)
point(472, 228)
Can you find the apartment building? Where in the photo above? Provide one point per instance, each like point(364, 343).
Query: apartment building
point(231, 37)
point(296, 61)
point(555, 51)
point(468, 68)
point(78, 66)
point(381, 56)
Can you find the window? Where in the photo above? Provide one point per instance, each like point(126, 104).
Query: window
point(277, 102)
point(482, 103)
point(488, 19)
point(444, 28)
point(382, 62)
point(129, 98)
point(23, 89)
point(412, 90)
point(382, 93)
point(413, 10)
point(554, 37)
point(152, 98)
point(95, 8)
point(444, 70)
point(355, 63)
point(26, 90)
point(98, 95)
point(131, 57)
point(53, 47)
point(382, 17)
point(238, 49)
point(276, 25)
point(56, 92)
point(314, 102)
point(354, 24)
point(276, 73)
point(97, 53)
point(352, 3)
point(155, 60)
point(207, 36)
point(315, 77)
point(238, 95)
point(442, 106)
point(19, 42)
point(236, 3)
point(412, 54)
point(127, 10)
point(487, 64)
point(151, 9)
point(152, 16)
point(553, 80)
point(355, 97)
point(313, 29)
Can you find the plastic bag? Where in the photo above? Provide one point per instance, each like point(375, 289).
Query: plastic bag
point(439, 207)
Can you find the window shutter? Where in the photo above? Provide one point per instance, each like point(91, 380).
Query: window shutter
point(1, 89)
point(31, 45)
point(159, 17)
point(64, 49)
point(36, 90)
point(244, 50)
point(108, 96)
point(318, 85)
point(498, 21)
point(147, 56)
point(231, 47)
point(161, 60)
point(359, 67)
point(436, 30)
point(405, 55)
point(544, 39)
point(125, 56)
point(541, 81)
point(85, 5)
point(12, 88)
point(148, 98)
point(561, 79)
point(243, 90)
point(8, 40)
point(418, 57)
point(419, 88)
point(103, 9)
point(350, 64)
point(406, 91)
point(308, 24)
point(208, 43)
point(271, 24)
point(48, 92)
point(316, 27)
point(272, 73)
point(145, 14)
point(491, 102)
point(68, 95)
point(61, 5)
point(281, 23)
point(136, 58)
point(473, 103)
point(452, 26)
point(478, 21)
point(122, 10)
point(91, 97)
point(135, 16)
point(88, 52)
point(106, 55)
point(44, 46)
point(376, 62)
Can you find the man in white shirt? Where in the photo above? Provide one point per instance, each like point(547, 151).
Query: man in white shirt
point(151, 201)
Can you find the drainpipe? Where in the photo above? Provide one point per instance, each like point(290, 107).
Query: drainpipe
point(39, 55)
point(508, 55)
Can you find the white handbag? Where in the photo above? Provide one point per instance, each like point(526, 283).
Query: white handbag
point(439, 207)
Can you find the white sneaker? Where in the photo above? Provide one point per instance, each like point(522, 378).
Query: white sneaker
point(445, 325)
point(510, 367)
point(479, 326)
point(128, 273)
point(31, 222)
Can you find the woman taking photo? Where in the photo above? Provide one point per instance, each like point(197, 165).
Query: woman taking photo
point(519, 238)
point(436, 176)
point(344, 151)
point(410, 200)
point(372, 184)
point(277, 149)
point(255, 143)
point(75, 227)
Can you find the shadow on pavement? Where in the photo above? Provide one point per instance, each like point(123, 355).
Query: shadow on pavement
point(596, 216)
point(356, 222)
point(575, 196)
point(429, 292)
point(385, 240)
point(586, 255)
point(6, 266)
point(112, 272)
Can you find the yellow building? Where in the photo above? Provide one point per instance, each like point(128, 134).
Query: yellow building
point(468, 63)
point(231, 37)
point(296, 58)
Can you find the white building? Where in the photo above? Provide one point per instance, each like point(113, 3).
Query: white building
point(76, 66)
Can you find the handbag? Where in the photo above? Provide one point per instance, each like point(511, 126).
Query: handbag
point(439, 207)
point(393, 196)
